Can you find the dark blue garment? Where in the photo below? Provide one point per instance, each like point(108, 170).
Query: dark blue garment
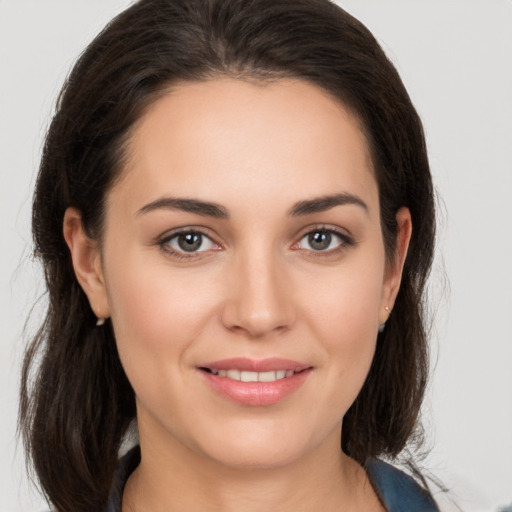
point(397, 491)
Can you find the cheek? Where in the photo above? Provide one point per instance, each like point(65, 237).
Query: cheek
point(345, 304)
point(156, 315)
point(343, 314)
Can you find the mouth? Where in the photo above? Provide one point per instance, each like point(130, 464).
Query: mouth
point(255, 382)
point(250, 376)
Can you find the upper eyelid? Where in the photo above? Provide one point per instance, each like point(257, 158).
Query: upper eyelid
point(164, 243)
point(330, 231)
point(343, 238)
point(337, 230)
point(346, 240)
point(187, 229)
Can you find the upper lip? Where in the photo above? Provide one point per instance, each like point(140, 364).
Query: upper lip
point(256, 365)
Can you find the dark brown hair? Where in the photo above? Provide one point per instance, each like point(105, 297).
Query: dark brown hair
point(76, 402)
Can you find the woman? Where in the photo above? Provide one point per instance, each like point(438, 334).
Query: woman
point(233, 197)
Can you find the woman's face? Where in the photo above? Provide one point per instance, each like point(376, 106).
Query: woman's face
point(243, 241)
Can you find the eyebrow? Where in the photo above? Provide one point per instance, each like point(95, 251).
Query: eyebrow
point(209, 209)
point(187, 205)
point(321, 204)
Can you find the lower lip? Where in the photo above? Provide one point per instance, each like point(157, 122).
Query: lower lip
point(256, 393)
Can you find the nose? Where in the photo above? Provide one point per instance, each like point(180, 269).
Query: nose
point(259, 299)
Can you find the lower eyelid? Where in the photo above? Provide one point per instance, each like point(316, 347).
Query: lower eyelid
point(165, 243)
point(344, 239)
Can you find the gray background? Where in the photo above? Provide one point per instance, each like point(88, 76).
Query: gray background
point(456, 59)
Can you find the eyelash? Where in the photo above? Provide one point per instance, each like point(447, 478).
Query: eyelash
point(345, 242)
point(164, 243)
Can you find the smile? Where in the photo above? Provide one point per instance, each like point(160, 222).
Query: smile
point(255, 382)
point(248, 376)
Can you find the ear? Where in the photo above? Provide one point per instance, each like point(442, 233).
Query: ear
point(86, 258)
point(394, 268)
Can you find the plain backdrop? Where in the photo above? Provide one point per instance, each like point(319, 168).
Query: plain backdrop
point(455, 57)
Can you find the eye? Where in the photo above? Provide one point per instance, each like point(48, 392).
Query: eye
point(322, 240)
point(189, 242)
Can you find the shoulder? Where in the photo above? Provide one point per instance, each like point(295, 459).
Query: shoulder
point(397, 490)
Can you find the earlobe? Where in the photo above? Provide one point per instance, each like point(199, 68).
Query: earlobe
point(394, 268)
point(86, 259)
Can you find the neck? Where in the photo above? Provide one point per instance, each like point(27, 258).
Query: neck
point(172, 477)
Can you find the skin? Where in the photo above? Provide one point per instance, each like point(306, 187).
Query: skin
point(256, 288)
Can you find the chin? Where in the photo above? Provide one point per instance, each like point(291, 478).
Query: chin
point(258, 448)
point(256, 457)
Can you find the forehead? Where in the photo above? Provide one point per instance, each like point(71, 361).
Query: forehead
point(231, 137)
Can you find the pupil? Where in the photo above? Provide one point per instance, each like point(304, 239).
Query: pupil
point(319, 240)
point(190, 242)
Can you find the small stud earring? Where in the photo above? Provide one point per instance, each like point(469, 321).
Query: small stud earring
point(382, 326)
point(100, 322)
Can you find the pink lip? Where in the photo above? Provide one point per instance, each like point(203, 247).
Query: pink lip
point(256, 393)
point(256, 365)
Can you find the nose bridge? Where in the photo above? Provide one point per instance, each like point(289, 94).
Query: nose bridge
point(259, 301)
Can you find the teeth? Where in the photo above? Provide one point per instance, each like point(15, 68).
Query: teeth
point(249, 376)
point(267, 376)
point(246, 376)
point(233, 374)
